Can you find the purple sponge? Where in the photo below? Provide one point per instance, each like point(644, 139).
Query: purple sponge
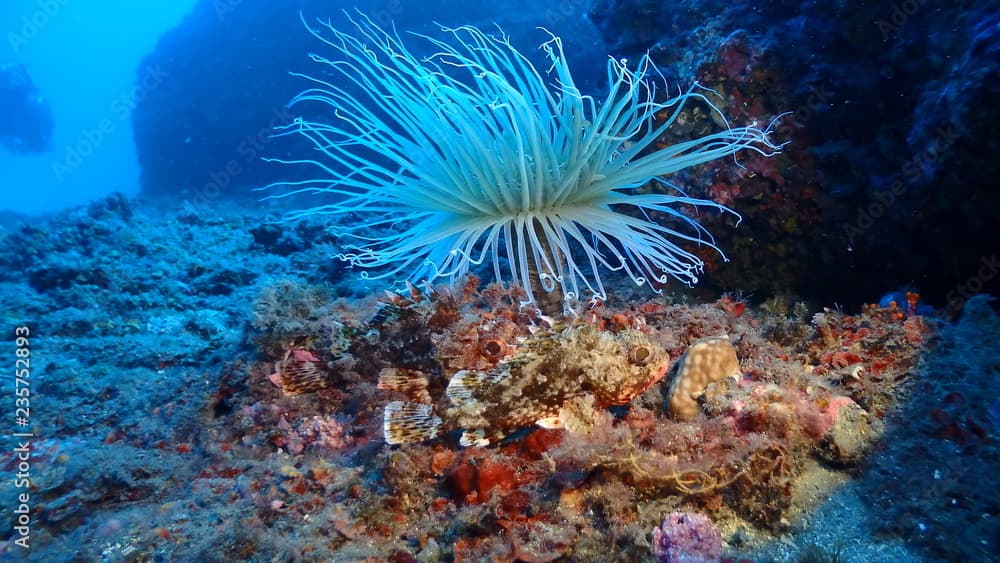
point(687, 537)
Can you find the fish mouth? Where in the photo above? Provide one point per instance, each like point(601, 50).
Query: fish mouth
point(661, 371)
point(659, 374)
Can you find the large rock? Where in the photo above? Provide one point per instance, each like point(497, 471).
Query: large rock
point(889, 178)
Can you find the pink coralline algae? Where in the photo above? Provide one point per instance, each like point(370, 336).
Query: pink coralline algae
point(687, 537)
point(318, 431)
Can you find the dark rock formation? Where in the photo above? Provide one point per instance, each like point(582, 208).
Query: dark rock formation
point(892, 162)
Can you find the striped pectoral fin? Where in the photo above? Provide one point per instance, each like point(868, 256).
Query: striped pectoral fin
point(408, 423)
point(466, 387)
point(296, 377)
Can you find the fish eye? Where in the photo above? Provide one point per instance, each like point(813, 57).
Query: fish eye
point(493, 349)
point(640, 355)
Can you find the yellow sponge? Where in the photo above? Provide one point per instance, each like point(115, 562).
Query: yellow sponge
point(705, 361)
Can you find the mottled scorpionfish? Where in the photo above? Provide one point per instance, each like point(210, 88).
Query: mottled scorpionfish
point(544, 375)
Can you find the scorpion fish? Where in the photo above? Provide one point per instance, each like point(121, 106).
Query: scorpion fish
point(532, 386)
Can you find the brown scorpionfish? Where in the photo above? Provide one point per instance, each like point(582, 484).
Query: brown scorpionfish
point(546, 374)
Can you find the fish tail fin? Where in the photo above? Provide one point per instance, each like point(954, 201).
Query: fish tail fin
point(408, 423)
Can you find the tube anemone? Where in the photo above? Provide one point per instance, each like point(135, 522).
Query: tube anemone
point(472, 156)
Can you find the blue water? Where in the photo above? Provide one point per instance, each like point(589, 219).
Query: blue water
point(82, 57)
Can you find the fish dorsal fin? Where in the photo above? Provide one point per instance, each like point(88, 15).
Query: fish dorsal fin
point(476, 437)
point(465, 386)
point(410, 382)
point(408, 423)
point(551, 422)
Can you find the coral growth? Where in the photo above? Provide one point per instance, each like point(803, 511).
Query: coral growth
point(735, 456)
point(289, 461)
point(202, 456)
